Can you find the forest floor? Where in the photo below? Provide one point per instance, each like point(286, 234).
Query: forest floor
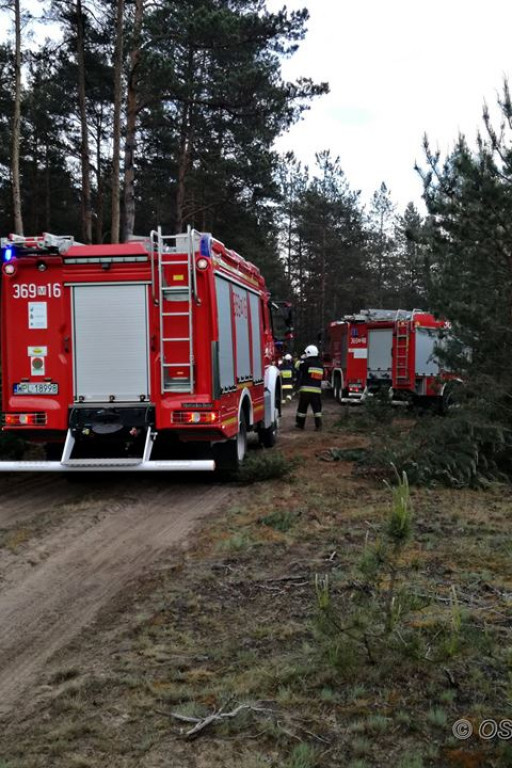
point(271, 617)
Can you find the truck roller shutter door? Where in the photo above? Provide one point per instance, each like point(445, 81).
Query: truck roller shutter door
point(380, 342)
point(243, 354)
point(226, 365)
point(110, 342)
point(426, 341)
point(254, 303)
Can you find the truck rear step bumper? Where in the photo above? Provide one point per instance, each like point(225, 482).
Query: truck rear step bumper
point(105, 465)
point(143, 463)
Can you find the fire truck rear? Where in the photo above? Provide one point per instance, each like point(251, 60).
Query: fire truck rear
point(155, 354)
point(403, 358)
point(350, 345)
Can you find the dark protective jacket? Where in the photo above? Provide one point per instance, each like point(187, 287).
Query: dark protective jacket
point(287, 374)
point(309, 375)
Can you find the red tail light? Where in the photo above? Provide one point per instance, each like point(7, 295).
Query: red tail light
point(24, 419)
point(194, 417)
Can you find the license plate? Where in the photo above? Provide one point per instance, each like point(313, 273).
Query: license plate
point(36, 388)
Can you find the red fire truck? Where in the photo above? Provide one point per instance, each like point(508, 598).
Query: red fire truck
point(347, 348)
point(387, 350)
point(127, 357)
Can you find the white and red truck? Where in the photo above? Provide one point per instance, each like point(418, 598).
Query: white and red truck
point(155, 354)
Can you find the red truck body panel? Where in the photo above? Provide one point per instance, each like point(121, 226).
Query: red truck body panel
point(345, 353)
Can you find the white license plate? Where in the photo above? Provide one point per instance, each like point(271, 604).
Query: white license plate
point(36, 388)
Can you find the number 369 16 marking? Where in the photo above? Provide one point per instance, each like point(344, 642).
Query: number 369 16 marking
point(33, 291)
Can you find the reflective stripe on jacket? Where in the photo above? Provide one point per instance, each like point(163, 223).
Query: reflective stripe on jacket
point(310, 375)
point(287, 375)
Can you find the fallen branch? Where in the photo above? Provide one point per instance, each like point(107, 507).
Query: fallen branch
point(203, 722)
point(289, 578)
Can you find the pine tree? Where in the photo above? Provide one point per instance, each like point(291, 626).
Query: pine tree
point(382, 252)
point(329, 249)
point(216, 100)
point(6, 110)
point(16, 128)
point(412, 273)
point(51, 198)
point(469, 199)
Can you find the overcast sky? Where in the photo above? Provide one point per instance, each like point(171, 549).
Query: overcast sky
point(397, 69)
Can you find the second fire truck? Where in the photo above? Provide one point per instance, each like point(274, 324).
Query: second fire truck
point(392, 351)
point(346, 350)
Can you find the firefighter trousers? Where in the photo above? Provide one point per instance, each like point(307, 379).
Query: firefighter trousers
point(306, 399)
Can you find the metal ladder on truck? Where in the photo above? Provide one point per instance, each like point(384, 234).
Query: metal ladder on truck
point(176, 285)
point(401, 361)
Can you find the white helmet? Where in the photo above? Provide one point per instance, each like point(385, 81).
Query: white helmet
point(311, 351)
point(288, 358)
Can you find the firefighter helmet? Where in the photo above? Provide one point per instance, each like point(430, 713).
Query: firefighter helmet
point(311, 351)
point(288, 358)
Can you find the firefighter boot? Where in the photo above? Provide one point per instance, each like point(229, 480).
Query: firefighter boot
point(318, 422)
point(300, 421)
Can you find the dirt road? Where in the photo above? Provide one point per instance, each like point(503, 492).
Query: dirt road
point(66, 551)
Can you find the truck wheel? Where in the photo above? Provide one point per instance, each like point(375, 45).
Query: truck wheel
point(268, 435)
point(451, 398)
point(338, 393)
point(229, 456)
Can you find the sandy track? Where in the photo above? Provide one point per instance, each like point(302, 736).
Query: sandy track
point(83, 548)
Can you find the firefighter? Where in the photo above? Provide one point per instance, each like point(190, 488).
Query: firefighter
point(309, 384)
point(287, 377)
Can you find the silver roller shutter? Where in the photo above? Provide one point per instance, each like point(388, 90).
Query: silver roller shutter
point(110, 342)
point(380, 342)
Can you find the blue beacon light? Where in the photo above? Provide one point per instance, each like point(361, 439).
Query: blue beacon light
point(9, 254)
point(205, 246)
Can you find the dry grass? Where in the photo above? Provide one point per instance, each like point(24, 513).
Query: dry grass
point(238, 622)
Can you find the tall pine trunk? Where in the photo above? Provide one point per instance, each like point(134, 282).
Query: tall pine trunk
point(186, 137)
point(132, 108)
point(84, 148)
point(100, 191)
point(183, 165)
point(118, 93)
point(16, 132)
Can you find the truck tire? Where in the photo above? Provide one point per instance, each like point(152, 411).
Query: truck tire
point(451, 398)
point(338, 392)
point(229, 456)
point(268, 435)
point(335, 388)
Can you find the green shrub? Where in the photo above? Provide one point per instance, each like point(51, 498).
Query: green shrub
point(280, 520)
point(265, 465)
point(459, 450)
point(302, 756)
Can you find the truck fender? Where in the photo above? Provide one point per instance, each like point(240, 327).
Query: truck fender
point(246, 396)
point(455, 380)
point(272, 394)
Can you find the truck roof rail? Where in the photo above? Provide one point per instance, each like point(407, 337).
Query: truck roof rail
point(379, 314)
point(40, 243)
